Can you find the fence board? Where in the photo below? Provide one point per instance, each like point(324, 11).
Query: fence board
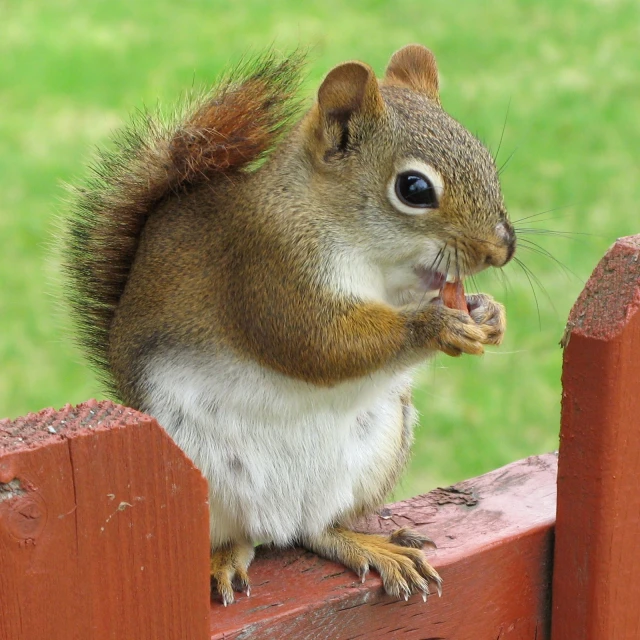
point(103, 529)
point(494, 535)
point(104, 523)
point(597, 562)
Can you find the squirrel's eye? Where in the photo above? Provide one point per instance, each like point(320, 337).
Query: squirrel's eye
point(416, 190)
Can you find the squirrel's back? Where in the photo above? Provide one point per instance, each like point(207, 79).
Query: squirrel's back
point(215, 136)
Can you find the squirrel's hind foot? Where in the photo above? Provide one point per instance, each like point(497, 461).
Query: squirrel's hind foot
point(398, 558)
point(229, 565)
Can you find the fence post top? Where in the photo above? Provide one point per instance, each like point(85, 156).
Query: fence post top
point(611, 296)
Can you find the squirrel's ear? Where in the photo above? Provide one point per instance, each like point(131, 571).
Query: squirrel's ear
point(414, 67)
point(350, 89)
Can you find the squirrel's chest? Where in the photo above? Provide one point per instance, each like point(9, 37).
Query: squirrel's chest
point(282, 458)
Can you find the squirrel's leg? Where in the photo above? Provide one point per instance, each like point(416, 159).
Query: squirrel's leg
point(229, 564)
point(398, 558)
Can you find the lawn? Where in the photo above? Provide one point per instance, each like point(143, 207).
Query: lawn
point(556, 81)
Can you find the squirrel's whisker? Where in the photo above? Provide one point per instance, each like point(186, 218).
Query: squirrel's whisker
point(533, 291)
point(568, 235)
point(506, 162)
point(501, 274)
point(504, 126)
point(535, 215)
point(433, 267)
point(536, 248)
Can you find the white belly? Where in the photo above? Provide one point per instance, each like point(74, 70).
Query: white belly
point(282, 457)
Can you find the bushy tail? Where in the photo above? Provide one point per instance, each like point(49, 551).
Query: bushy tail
point(234, 125)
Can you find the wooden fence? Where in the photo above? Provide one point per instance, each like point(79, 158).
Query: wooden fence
point(104, 524)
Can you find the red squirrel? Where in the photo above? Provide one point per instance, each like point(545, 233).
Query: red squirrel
point(265, 283)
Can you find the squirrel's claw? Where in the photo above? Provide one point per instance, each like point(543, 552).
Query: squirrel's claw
point(228, 569)
point(398, 559)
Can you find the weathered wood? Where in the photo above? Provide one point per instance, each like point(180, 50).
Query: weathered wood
point(494, 535)
point(596, 591)
point(104, 523)
point(103, 529)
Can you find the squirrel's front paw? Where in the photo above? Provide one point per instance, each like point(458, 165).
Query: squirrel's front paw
point(456, 332)
point(489, 315)
point(459, 333)
point(468, 333)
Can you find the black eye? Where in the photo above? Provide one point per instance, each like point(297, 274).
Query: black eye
point(416, 190)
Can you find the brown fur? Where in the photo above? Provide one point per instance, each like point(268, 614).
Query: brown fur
point(248, 272)
point(185, 243)
point(225, 256)
point(228, 569)
point(414, 67)
point(154, 161)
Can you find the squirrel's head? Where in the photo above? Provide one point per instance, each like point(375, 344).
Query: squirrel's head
point(416, 191)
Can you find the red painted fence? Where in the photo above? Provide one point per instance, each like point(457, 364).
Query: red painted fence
point(104, 524)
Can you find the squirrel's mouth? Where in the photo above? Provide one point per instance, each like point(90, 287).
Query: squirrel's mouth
point(430, 279)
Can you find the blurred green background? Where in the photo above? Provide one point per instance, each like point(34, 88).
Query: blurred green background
point(566, 71)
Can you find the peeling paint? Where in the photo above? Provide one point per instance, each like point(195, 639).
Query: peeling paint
point(10, 490)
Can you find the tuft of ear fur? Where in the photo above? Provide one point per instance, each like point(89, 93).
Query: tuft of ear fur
point(414, 67)
point(349, 90)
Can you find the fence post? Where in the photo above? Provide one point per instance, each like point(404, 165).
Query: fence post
point(596, 590)
point(104, 529)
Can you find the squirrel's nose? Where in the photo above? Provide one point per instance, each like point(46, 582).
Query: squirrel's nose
point(506, 245)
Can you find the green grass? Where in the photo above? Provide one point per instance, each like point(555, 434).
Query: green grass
point(566, 71)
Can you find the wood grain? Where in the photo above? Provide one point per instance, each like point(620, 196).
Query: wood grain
point(103, 529)
point(494, 535)
point(597, 558)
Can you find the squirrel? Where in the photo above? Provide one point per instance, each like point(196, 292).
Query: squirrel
point(265, 283)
